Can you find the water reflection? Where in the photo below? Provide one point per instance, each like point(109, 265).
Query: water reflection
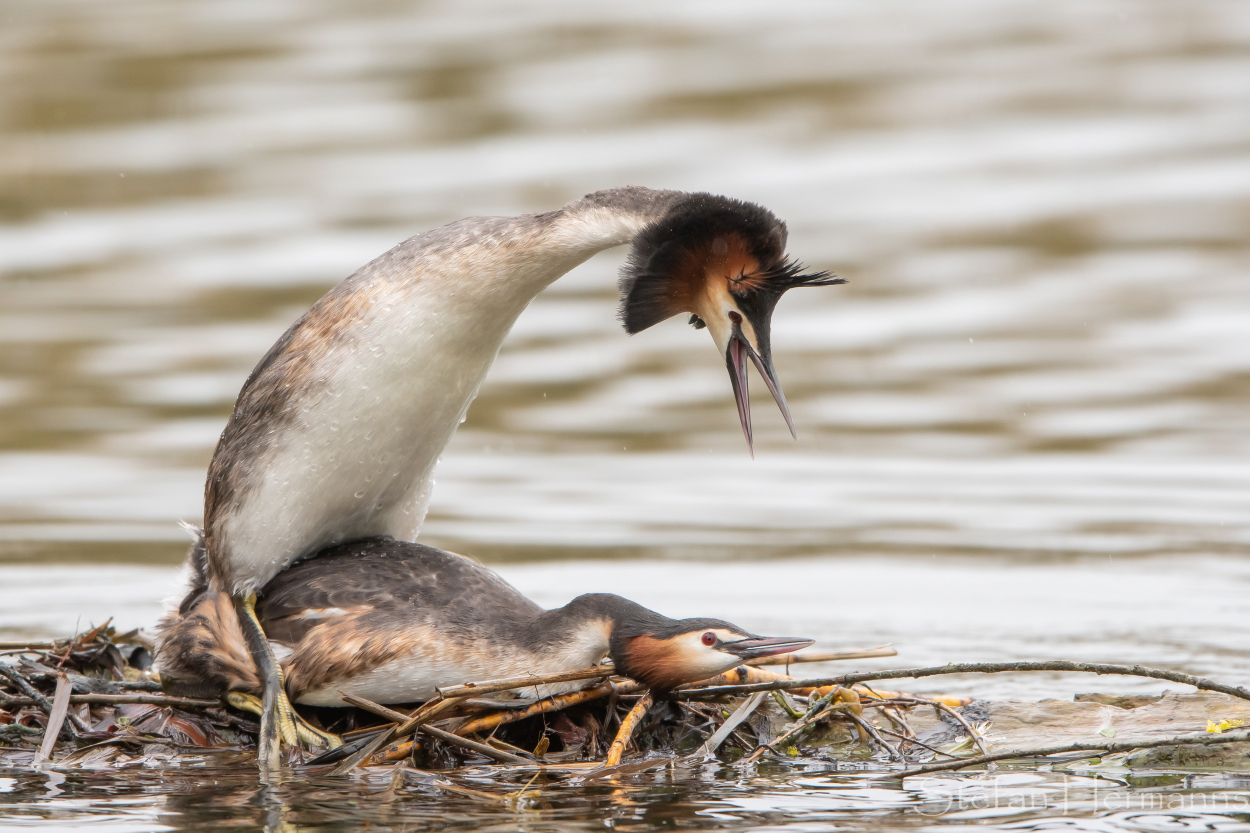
point(1022, 424)
point(800, 799)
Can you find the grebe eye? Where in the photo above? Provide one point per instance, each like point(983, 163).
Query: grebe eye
point(735, 317)
point(709, 639)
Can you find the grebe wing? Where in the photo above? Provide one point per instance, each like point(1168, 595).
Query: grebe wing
point(394, 583)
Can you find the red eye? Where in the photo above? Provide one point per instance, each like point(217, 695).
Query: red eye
point(709, 639)
point(735, 317)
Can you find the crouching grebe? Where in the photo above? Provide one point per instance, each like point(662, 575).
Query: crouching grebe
point(335, 434)
point(392, 621)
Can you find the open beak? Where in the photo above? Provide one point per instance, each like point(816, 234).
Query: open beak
point(735, 361)
point(764, 646)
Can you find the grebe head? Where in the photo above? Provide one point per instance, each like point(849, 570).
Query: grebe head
point(724, 262)
point(688, 650)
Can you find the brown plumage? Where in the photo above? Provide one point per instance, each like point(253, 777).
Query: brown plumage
point(391, 621)
point(335, 434)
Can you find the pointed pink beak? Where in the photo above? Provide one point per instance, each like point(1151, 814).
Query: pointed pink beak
point(736, 362)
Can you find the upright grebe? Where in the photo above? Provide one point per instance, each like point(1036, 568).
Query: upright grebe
point(392, 621)
point(336, 432)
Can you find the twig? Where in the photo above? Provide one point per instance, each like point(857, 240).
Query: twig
point(607, 670)
point(825, 656)
point(628, 725)
point(492, 686)
point(974, 668)
point(480, 748)
point(395, 717)
point(872, 733)
point(972, 733)
point(744, 711)
point(17, 645)
point(919, 743)
point(741, 675)
point(427, 711)
point(609, 713)
point(1107, 747)
point(395, 752)
point(127, 699)
point(56, 718)
point(560, 701)
point(42, 702)
point(446, 737)
point(815, 717)
point(507, 747)
point(898, 720)
point(487, 704)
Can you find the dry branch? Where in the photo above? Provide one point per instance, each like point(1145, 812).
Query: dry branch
point(974, 668)
point(963, 721)
point(474, 746)
point(427, 711)
point(1108, 747)
point(825, 656)
point(42, 702)
point(560, 701)
point(493, 686)
point(446, 737)
point(919, 743)
point(819, 710)
point(628, 725)
point(127, 699)
point(744, 711)
point(868, 728)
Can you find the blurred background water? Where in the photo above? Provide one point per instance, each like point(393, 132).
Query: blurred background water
point(1042, 359)
point(1022, 424)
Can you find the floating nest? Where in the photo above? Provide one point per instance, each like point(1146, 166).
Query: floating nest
point(94, 701)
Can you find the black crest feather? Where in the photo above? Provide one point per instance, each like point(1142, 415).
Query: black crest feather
point(651, 289)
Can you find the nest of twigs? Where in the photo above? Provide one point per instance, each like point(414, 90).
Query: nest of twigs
point(94, 699)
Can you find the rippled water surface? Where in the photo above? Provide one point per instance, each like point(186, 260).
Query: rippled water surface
point(1022, 424)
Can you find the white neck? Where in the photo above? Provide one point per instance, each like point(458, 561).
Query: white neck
point(391, 359)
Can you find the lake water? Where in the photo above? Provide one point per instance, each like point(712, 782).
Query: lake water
point(1023, 424)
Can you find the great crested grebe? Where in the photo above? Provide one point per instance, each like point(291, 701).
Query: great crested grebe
point(336, 432)
point(392, 621)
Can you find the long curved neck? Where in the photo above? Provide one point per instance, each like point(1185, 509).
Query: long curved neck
point(606, 616)
point(498, 264)
point(336, 433)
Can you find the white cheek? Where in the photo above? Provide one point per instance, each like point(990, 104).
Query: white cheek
point(720, 332)
point(715, 662)
point(707, 662)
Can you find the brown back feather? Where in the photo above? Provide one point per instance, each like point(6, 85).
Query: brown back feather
point(202, 652)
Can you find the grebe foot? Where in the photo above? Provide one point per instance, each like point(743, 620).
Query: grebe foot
point(277, 718)
point(309, 736)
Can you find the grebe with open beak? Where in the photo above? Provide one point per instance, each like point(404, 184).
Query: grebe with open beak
point(393, 621)
point(335, 434)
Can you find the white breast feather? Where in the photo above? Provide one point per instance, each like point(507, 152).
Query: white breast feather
point(415, 677)
point(359, 458)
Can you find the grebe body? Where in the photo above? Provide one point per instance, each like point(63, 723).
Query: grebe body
point(335, 434)
point(392, 621)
